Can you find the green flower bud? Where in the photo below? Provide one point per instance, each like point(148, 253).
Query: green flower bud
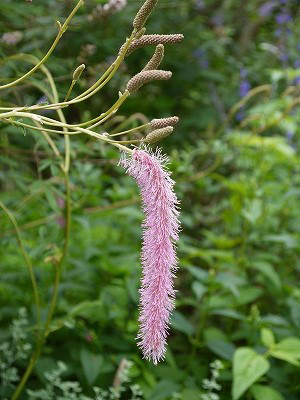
point(78, 71)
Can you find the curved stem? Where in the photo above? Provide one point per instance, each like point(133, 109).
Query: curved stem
point(103, 117)
point(58, 267)
point(102, 81)
point(45, 58)
point(65, 167)
point(65, 249)
point(130, 130)
point(27, 261)
point(37, 303)
point(28, 371)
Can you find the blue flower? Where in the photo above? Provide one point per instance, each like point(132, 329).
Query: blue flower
point(267, 8)
point(245, 87)
point(297, 80)
point(283, 18)
point(201, 55)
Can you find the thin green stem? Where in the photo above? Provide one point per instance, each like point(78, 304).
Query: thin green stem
point(27, 262)
point(65, 168)
point(103, 117)
point(37, 304)
point(102, 81)
point(58, 267)
point(28, 371)
point(49, 121)
point(45, 58)
point(129, 130)
point(70, 90)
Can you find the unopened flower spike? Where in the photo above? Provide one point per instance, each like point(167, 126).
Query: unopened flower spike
point(143, 14)
point(159, 261)
point(140, 33)
point(147, 76)
point(155, 39)
point(163, 122)
point(158, 134)
point(156, 59)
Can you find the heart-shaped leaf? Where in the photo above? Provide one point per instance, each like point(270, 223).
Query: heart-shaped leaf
point(248, 367)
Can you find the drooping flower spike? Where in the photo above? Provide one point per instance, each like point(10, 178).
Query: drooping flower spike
point(159, 261)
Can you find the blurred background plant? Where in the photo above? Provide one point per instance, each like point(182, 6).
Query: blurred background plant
point(235, 158)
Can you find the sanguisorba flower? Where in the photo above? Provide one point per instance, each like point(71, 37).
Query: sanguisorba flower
point(159, 260)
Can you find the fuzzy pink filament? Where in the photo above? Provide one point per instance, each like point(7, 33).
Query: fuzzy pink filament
point(158, 251)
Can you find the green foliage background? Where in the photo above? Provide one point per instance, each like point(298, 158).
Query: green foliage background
point(239, 186)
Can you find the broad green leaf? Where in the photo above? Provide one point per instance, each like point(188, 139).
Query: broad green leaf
point(180, 323)
point(228, 313)
point(253, 211)
point(288, 350)
point(276, 144)
point(221, 348)
point(286, 239)
point(92, 310)
point(248, 367)
point(262, 392)
point(268, 271)
point(163, 390)
point(267, 337)
point(198, 273)
point(91, 364)
point(199, 289)
point(213, 333)
point(294, 306)
point(191, 394)
point(249, 294)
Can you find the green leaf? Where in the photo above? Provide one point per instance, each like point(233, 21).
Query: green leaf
point(221, 348)
point(180, 323)
point(288, 350)
point(267, 337)
point(198, 273)
point(92, 310)
point(91, 364)
point(285, 239)
point(253, 211)
point(269, 272)
point(249, 294)
point(199, 289)
point(163, 390)
point(190, 394)
point(248, 367)
point(262, 392)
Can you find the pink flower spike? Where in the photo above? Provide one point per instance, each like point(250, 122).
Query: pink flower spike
point(159, 261)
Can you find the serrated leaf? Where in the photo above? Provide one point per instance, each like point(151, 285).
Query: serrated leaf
point(248, 367)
